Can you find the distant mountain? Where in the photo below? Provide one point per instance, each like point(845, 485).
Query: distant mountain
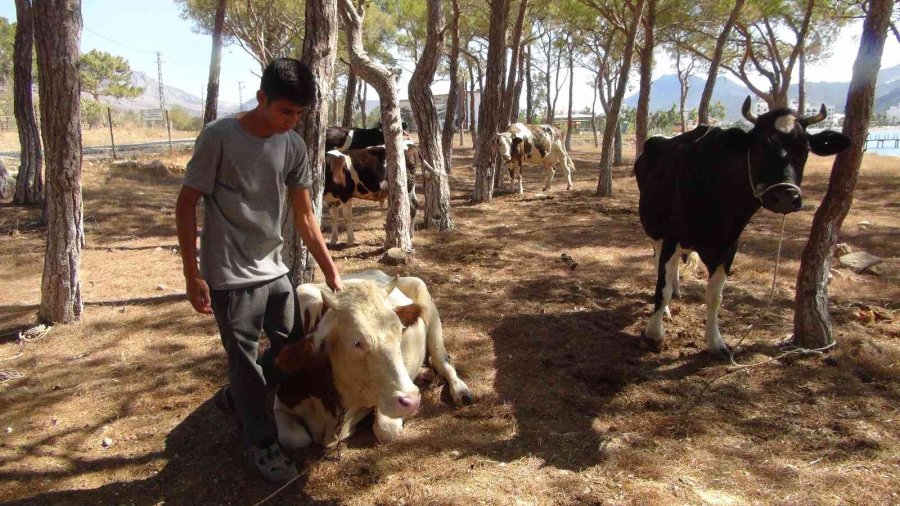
point(666, 90)
point(149, 99)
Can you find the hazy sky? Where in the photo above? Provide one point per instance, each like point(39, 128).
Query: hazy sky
point(137, 30)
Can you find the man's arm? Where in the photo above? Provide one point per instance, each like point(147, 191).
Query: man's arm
point(308, 228)
point(186, 224)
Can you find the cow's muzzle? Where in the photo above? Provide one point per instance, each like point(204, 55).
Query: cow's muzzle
point(783, 200)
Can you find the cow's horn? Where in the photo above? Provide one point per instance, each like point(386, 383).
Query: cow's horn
point(391, 285)
point(745, 110)
point(812, 120)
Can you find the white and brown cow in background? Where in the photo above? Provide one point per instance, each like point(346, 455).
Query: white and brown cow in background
point(362, 174)
point(362, 348)
point(535, 144)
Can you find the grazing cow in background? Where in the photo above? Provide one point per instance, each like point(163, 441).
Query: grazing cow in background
point(362, 174)
point(362, 348)
point(344, 139)
point(536, 144)
point(699, 190)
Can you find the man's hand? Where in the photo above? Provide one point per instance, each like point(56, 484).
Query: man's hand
point(334, 282)
point(198, 294)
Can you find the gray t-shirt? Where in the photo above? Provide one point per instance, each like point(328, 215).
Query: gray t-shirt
point(243, 179)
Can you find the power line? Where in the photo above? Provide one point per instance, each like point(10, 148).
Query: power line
point(117, 42)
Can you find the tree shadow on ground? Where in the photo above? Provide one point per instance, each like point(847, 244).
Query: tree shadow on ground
point(202, 466)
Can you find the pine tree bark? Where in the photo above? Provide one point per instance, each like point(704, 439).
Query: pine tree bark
point(571, 98)
point(473, 123)
point(454, 92)
point(515, 54)
point(645, 58)
point(517, 94)
point(812, 322)
point(437, 185)
point(490, 113)
point(801, 83)
point(349, 96)
point(397, 224)
point(57, 25)
point(713, 72)
point(29, 182)
point(604, 183)
point(319, 53)
point(529, 90)
point(210, 111)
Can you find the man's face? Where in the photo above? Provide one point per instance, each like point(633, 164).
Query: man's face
point(282, 115)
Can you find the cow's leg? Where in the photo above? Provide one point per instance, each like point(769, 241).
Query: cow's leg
point(676, 280)
point(416, 290)
point(570, 169)
point(348, 221)
point(291, 431)
point(714, 286)
point(519, 172)
point(386, 429)
point(657, 249)
point(334, 211)
point(549, 170)
point(668, 259)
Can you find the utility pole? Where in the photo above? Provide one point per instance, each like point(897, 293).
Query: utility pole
point(241, 95)
point(162, 96)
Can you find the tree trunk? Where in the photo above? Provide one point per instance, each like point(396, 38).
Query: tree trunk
point(349, 96)
point(333, 108)
point(517, 94)
point(29, 183)
point(215, 64)
point(57, 29)
point(509, 89)
point(604, 183)
point(617, 146)
point(490, 114)
point(812, 322)
point(472, 118)
point(594, 115)
point(436, 182)
point(721, 41)
point(684, 85)
point(645, 57)
point(453, 92)
point(397, 224)
point(319, 53)
point(529, 90)
point(4, 180)
point(571, 98)
point(364, 91)
point(801, 84)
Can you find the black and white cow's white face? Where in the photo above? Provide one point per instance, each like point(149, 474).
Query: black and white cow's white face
point(777, 149)
point(505, 143)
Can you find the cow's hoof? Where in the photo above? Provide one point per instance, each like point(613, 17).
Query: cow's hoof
point(467, 399)
point(667, 313)
point(720, 351)
point(648, 343)
point(569, 187)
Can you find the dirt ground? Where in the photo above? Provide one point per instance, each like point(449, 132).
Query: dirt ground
point(569, 409)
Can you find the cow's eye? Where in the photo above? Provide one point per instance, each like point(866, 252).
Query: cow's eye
point(357, 344)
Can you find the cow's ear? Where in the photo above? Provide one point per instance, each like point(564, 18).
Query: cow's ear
point(737, 140)
point(296, 356)
point(828, 143)
point(408, 314)
point(337, 170)
point(329, 300)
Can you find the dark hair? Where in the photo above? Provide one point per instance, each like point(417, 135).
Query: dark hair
point(288, 79)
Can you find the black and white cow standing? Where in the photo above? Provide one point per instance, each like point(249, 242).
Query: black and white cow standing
point(362, 174)
point(344, 139)
point(699, 190)
point(536, 144)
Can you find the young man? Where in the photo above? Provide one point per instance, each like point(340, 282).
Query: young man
point(245, 168)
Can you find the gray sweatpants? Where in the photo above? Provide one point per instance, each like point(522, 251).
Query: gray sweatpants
point(242, 314)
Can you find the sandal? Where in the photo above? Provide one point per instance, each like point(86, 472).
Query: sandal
point(272, 463)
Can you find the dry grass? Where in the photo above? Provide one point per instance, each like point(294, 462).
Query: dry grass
point(569, 409)
point(9, 139)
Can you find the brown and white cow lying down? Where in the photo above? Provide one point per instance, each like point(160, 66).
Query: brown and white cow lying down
point(363, 347)
point(534, 144)
point(362, 174)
